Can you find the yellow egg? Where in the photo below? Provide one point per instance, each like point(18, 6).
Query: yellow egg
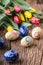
point(26, 41)
point(12, 35)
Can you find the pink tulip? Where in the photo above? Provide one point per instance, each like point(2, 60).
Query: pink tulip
point(7, 11)
point(35, 20)
point(17, 20)
point(17, 9)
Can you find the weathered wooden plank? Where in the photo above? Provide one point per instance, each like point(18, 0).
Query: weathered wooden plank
point(42, 61)
point(31, 55)
point(27, 56)
point(5, 47)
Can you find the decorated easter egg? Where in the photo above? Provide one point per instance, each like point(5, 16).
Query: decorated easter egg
point(11, 55)
point(23, 30)
point(36, 32)
point(1, 42)
point(12, 35)
point(26, 41)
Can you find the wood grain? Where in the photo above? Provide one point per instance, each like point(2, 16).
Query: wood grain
point(4, 48)
point(32, 55)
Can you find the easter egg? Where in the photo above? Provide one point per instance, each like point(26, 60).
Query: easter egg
point(23, 30)
point(36, 32)
point(12, 35)
point(1, 42)
point(11, 55)
point(26, 41)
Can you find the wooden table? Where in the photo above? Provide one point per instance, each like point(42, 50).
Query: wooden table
point(27, 56)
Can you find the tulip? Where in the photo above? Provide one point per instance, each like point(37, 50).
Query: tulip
point(35, 20)
point(22, 17)
point(17, 20)
point(32, 10)
point(28, 14)
point(17, 9)
point(7, 11)
point(9, 28)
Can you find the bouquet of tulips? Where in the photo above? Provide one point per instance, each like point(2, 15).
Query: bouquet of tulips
point(15, 13)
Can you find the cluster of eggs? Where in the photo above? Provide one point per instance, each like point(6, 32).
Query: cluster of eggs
point(10, 55)
point(26, 41)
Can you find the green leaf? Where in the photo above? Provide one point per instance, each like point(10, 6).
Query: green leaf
point(40, 13)
point(22, 2)
point(24, 5)
point(2, 15)
point(5, 2)
point(1, 7)
point(38, 16)
point(1, 23)
point(26, 24)
point(11, 8)
point(13, 23)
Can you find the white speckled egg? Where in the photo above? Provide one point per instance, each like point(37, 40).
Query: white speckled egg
point(26, 41)
point(36, 32)
point(12, 35)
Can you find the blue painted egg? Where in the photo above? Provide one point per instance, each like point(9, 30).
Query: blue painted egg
point(23, 30)
point(1, 42)
point(11, 55)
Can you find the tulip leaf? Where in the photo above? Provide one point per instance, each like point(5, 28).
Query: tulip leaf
point(1, 23)
point(1, 7)
point(26, 24)
point(13, 23)
point(38, 16)
point(2, 15)
point(11, 8)
point(5, 2)
point(40, 13)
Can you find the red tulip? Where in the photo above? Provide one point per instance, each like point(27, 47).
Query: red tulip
point(35, 20)
point(17, 9)
point(17, 20)
point(7, 11)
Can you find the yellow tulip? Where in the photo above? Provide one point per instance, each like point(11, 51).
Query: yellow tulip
point(32, 10)
point(9, 28)
point(28, 14)
point(21, 17)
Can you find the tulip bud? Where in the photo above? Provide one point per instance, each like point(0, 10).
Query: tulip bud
point(28, 14)
point(9, 28)
point(17, 20)
point(35, 20)
point(32, 10)
point(21, 17)
point(17, 9)
point(7, 11)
